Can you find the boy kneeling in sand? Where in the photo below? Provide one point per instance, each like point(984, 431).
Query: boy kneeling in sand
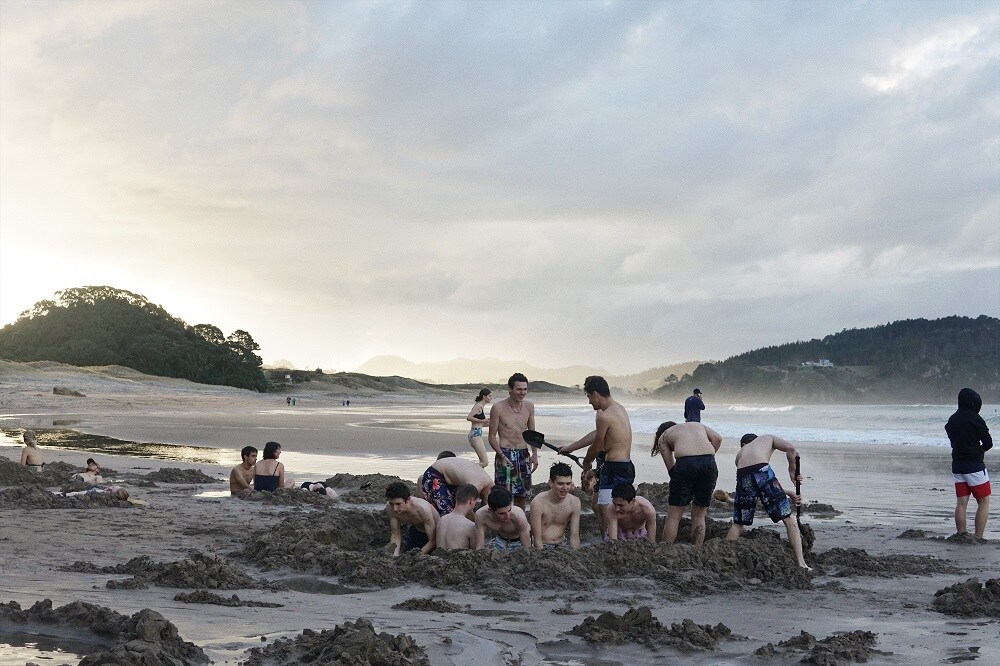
point(417, 514)
point(755, 480)
point(509, 522)
point(636, 516)
point(455, 530)
point(554, 509)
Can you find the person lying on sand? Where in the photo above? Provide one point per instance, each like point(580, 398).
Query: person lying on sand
point(447, 473)
point(555, 509)
point(636, 517)
point(456, 531)
point(508, 522)
point(688, 451)
point(319, 487)
point(92, 474)
point(755, 480)
point(241, 477)
point(117, 491)
point(417, 514)
point(32, 456)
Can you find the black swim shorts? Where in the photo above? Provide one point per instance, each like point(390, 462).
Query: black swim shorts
point(693, 478)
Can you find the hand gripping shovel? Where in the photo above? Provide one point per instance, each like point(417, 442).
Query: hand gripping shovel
point(534, 439)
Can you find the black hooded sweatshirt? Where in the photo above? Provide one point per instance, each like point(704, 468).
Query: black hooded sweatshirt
point(970, 438)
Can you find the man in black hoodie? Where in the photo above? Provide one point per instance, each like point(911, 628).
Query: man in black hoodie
point(970, 439)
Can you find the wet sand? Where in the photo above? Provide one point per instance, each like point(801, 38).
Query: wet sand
point(320, 565)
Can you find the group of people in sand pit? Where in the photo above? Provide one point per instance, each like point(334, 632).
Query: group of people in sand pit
point(444, 516)
point(267, 475)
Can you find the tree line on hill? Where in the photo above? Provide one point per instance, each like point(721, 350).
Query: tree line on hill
point(913, 360)
point(100, 325)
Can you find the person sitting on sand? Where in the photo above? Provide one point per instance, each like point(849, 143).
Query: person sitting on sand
point(688, 451)
point(508, 522)
point(241, 477)
point(269, 474)
point(456, 531)
point(319, 487)
point(92, 474)
point(636, 517)
point(554, 509)
point(31, 455)
point(755, 480)
point(970, 439)
point(417, 514)
point(447, 473)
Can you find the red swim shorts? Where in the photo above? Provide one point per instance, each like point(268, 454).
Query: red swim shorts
point(976, 484)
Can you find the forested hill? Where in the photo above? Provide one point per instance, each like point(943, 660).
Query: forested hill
point(914, 360)
point(108, 326)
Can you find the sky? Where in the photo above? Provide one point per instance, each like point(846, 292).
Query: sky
point(617, 184)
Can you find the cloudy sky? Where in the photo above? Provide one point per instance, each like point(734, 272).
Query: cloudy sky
point(620, 184)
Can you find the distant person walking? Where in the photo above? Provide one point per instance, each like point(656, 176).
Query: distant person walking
point(693, 407)
point(970, 439)
point(477, 417)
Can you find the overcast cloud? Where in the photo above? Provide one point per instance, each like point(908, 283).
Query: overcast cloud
point(620, 184)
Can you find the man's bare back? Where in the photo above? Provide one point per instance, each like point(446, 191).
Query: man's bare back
point(636, 514)
point(459, 472)
point(455, 532)
point(617, 432)
point(759, 450)
point(689, 439)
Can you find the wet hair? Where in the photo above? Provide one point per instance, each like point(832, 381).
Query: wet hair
point(91, 461)
point(397, 490)
point(465, 493)
point(560, 469)
point(747, 438)
point(271, 450)
point(515, 378)
point(247, 450)
point(446, 454)
point(498, 498)
point(30, 437)
point(483, 393)
point(623, 490)
point(597, 384)
point(659, 431)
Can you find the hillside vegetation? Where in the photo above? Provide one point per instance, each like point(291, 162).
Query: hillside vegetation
point(914, 360)
point(97, 326)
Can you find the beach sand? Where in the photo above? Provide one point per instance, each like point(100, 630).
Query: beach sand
point(324, 563)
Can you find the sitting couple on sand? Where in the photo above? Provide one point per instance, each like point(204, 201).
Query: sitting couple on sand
point(266, 475)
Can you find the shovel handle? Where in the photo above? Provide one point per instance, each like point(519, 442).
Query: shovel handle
point(798, 490)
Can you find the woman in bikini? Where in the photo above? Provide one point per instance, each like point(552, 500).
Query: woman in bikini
point(31, 455)
point(269, 474)
point(477, 416)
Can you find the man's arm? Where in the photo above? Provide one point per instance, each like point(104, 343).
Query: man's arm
point(650, 513)
point(600, 434)
point(667, 452)
point(531, 426)
point(714, 437)
point(395, 538)
point(479, 540)
point(430, 529)
point(586, 440)
point(493, 437)
point(525, 531)
point(786, 446)
point(986, 442)
point(536, 522)
point(574, 526)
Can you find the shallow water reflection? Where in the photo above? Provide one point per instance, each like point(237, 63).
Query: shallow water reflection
point(20, 647)
point(71, 440)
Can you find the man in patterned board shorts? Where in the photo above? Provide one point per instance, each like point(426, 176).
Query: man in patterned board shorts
point(509, 419)
point(755, 480)
point(448, 473)
point(970, 439)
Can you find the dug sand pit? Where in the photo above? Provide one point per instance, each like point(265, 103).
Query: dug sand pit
point(847, 648)
point(969, 599)
point(432, 605)
point(52, 474)
point(206, 597)
point(35, 497)
point(145, 638)
point(348, 644)
point(198, 571)
point(638, 625)
point(290, 497)
point(846, 562)
point(175, 475)
point(365, 488)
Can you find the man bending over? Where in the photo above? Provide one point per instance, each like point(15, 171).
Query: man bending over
point(636, 517)
point(418, 515)
point(688, 451)
point(507, 521)
point(448, 473)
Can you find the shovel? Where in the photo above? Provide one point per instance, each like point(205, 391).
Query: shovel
point(798, 491)
point(534, 439)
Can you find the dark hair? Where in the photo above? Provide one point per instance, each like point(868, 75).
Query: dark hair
point(482, 394)
point(446, 454)
point(270, 449)
point(698, 391)
point(598, 384)
point(247, 450)
point(515, 378)
point(498, 498)
point(659, 431)
point(747, 438)
point(397, 490)
point(623, 490)
point(91, 461)
point(465, 493)
point(560, 469)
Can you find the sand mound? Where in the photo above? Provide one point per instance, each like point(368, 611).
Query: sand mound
point(53, 474)
point(176, 475)
point(965, 539)
point(348, 644)
point(970, 599)
point(843, 562)
point(819, 509)
point(34, 497)
point(290, 497)
point(205, 597)
point(198, 571)
point(638, 625)
point(365, 488)
point(846, 648)
point(145, 639)
point(913, 534)
point(433, 605)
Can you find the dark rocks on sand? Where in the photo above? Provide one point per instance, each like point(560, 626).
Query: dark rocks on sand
point(638, 625)
point(175, 475)
point(434, 605)
point(206, 597)
point(348, 644)
point(62, 390)
point(846, 648)
point(843, 562)
point(969, 599)
point(198, 571)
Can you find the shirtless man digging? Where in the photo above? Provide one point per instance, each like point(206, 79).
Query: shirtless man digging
point(554, 509)
point(447, 473)
point(636, 516)
point(688, 451)
point(611, 444)
point(242, 475)
point(456, 531)
point(507, 521)
point(755, 480)
point(509, 418)
point(417, 514)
